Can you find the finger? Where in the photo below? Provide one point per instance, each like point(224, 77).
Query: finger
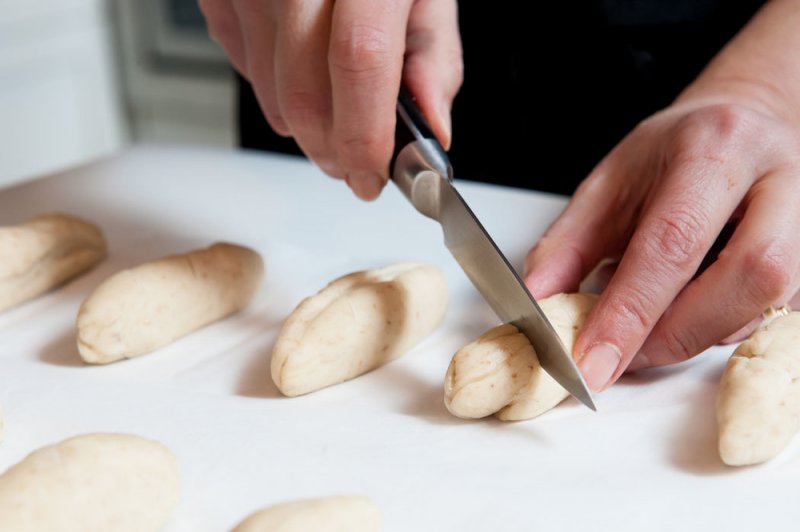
point(593, 226)
point(302, 81)
point(258, 36)
point(434, 68)
point(641, 361)
point(365, 60)
point(759, 268)
point(743, 332)
point(223, 27)
point(675, 232)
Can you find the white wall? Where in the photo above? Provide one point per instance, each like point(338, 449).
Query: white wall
point(59, 103)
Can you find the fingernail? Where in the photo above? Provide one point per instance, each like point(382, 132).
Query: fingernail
point(598, 365)
point(540, 286)
point(366, 185)
point(444, 113)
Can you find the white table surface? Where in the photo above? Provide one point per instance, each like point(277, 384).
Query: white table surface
point(646, 460)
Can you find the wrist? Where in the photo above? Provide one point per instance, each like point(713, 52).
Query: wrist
point(759, 95)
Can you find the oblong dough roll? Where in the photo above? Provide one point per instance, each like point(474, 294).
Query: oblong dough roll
point(108, 482)
point(758, 403)
point(357, 323)
point(44, 253)
point(141, 309)
point(329, 514)
point(498, 373)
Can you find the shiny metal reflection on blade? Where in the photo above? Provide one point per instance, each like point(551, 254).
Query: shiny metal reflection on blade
point(422, 172)
point(505, 292)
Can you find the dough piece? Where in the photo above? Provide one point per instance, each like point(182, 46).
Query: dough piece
point(329, 514)
point(108, 482)
point(498, 373)
point(43, 253)
point(758, 404)
point(357, 323)
point(139, 310)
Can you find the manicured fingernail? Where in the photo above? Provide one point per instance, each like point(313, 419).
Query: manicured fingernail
point(598, 366)
point(366, 185)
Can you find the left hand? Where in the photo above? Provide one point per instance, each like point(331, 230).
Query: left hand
point(658, 202)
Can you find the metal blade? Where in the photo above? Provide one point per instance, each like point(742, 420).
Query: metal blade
point(496, 280)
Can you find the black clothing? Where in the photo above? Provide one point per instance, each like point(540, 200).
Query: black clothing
point(576, 75)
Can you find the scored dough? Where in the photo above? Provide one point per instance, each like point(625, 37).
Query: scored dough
point(758, 403)
point(108, 482)
point(329, 514)
point(139, 310)
point(357, 323)
point(45, 252)
point(498, 373)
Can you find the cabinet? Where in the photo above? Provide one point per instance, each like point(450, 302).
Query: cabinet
point(59, 102)
point(178, 85)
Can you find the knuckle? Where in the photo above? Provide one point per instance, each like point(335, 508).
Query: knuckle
point(681, 345)
point(768, 271)
point(634, 307)
point(450, 58)
point(361, 51)
point(455, 59)
point(678, 238)
point(712, 131)
point(726, 120)
point(446, 59)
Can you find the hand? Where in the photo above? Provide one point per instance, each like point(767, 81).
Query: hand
point(328, 73)
point(657, 202)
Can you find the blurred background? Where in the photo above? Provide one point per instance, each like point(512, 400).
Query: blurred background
point(81, 79)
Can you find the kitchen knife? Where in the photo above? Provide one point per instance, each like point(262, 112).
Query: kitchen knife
point(422, 171)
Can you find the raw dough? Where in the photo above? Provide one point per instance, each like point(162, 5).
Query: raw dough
point(498, 373)
point(95, 482)
point(758, 405)
point(44, 253)
point(357, 323)
point(329, 514)
point(139, 310)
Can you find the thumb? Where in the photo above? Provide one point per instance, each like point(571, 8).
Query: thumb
point(434, 69)
point(593, 226)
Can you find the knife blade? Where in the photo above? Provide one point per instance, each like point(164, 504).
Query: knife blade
point(422, 171)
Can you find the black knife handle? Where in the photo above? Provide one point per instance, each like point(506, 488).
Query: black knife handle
point(411, 124)
point(412, 128)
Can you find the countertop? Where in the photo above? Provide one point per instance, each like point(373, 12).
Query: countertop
point(647, 460)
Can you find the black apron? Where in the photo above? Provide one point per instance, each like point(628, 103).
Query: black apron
point(577, 76)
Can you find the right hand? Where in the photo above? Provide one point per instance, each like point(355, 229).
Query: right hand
point(328, 73)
